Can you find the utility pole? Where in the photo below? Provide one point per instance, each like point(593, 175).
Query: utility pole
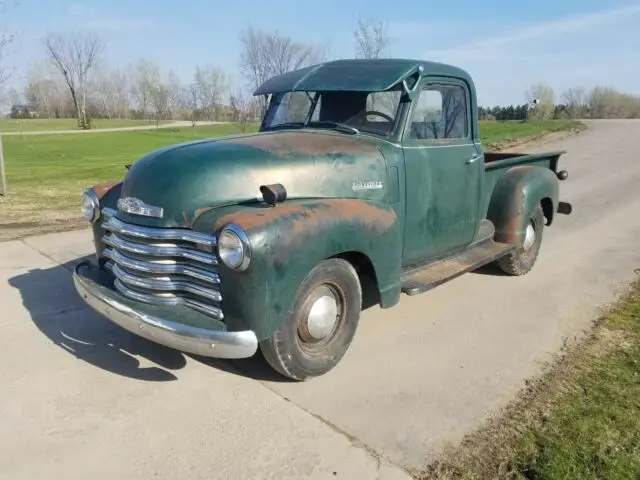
point(3, 177)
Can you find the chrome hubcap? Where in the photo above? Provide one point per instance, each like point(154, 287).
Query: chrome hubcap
point(322, 317)
point(529, 237)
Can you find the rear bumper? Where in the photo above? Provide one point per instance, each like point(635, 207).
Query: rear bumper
point(186, 338)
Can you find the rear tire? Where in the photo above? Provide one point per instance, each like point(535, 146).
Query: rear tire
point(524, 258)
point(321, 325)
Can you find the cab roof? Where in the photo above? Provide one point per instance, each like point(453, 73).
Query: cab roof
point(363, 75)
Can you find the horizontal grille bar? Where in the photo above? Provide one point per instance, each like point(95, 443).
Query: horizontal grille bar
point(164, 266)
point(114, 225)
point(163, 284)
point(167, 299)
point(159, 250)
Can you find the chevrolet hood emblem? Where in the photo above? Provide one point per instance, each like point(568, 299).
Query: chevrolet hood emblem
point(135, 206)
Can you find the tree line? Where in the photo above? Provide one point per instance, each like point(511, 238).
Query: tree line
point(577, 102)
point(82, 86)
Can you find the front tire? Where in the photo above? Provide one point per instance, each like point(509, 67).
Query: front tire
point(524, 258)
point(319, 329)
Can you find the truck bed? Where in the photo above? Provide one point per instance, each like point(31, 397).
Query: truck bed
point(500, 160)
point(496, 164)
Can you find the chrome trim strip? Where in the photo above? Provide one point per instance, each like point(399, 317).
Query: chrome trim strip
point(108, 212)
point(95, 202)
point(167, 266)
point(118, 226)
point(167, 299)
point(163, 284)
point(159, 250)
point(198, 341)
point(246, 245)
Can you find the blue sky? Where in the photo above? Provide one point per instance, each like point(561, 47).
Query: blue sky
point(506, 45)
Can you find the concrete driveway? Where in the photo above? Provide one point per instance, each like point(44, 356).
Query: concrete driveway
point(82, 398)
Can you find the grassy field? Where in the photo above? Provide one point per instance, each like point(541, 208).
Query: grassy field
point(497, 133)
point(46, 174)
point(581, 420)
point(36, 124)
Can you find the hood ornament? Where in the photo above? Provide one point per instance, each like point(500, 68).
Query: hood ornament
point(136, 206)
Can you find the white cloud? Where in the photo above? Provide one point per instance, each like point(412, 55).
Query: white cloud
point(96, 20)
point(581, 50)
point(502, 47)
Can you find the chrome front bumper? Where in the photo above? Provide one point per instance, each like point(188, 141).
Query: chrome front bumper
point(186, 338)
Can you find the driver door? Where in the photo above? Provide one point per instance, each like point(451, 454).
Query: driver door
point(443, 172)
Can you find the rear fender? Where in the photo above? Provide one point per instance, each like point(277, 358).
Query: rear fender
point(515, 196)
point(288, 240)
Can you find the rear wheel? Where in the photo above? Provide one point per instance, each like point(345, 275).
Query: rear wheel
point(522, 260)
point(318, 331)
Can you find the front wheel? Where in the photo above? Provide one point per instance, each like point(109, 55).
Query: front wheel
point(522, 260)
point(319, 329)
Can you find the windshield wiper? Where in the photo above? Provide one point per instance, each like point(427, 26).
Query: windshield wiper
point(337, 126)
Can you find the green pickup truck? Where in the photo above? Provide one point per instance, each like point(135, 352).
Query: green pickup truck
point(366, 180)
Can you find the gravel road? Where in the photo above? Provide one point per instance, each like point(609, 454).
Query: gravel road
point(84, 399)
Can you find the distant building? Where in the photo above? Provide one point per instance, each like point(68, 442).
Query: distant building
point(24, 110)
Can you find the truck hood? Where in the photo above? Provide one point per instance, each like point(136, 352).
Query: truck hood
point(188, 178)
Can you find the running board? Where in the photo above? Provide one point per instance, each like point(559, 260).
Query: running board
point(419, 280)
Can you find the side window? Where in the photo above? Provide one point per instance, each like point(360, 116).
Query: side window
point(441, 112)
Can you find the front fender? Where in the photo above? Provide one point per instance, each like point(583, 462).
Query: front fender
point(515, 196)
point(288, 240)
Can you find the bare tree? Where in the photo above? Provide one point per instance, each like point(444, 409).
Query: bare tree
point(145, 78)
point(241, 105)
point(193, 103)
point(6, 38)
point(371, 36)
point(545, 101)
point(211, 84)
point(266, 54)
point(575, 100)
point(110, 92)
point(74, 57)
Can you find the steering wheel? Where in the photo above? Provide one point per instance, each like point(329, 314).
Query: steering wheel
point(379, 114)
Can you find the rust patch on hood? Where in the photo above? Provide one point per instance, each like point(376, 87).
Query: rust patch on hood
point(103, 188)
point(305, 143)
point(313, 215)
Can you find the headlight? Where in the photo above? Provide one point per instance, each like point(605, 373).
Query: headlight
point(233, 247)
point(90, 205)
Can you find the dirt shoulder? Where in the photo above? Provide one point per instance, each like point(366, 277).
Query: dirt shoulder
point(579, 419)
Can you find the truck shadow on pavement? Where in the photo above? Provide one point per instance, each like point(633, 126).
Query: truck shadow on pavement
point(59, 313)
point(57, 310)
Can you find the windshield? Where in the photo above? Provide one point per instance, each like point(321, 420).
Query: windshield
point(372, 112)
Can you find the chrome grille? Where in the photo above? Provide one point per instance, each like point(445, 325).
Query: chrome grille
point(163, 266)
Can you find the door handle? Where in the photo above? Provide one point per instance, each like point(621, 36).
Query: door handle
point(472, 159)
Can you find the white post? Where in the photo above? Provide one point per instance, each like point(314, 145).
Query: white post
point(3, 177)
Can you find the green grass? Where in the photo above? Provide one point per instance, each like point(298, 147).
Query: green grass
point(46, 174)
point(580, 421)
point(43, 124)
point(495, 133)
